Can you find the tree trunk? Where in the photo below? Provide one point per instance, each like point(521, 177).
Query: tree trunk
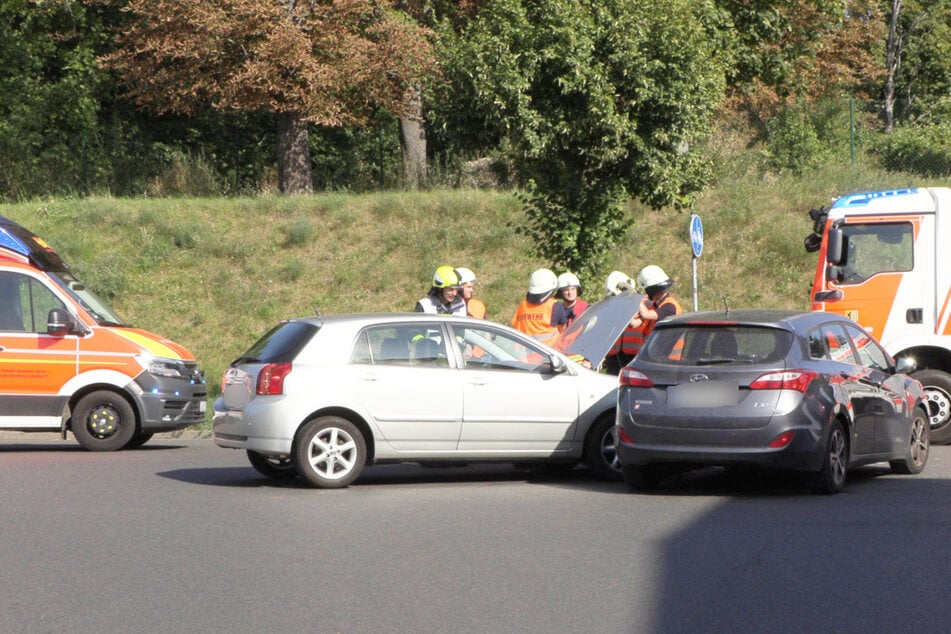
point(413, 143)
point(892, 65)
point(294, 174)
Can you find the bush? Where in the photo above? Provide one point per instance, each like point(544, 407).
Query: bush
point(922, 149)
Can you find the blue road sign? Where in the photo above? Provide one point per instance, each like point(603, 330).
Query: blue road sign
point(696, 235)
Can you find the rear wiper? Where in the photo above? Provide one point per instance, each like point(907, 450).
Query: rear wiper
point(717, 361)
point(245, 360)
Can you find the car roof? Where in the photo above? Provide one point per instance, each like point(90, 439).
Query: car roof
point(775, 318)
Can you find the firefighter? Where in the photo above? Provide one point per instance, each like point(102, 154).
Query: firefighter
point(569, 290)
point(474, 307)
point(443, 297)
point(631, 339)
point(658, 303)
point(540, 315)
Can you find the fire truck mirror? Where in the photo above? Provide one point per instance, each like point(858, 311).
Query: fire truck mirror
point(834, 252)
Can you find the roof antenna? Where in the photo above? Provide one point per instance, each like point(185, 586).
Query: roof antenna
point(726, 307)
point(316, 310)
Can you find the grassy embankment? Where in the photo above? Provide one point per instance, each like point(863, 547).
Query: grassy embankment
point(213, 274)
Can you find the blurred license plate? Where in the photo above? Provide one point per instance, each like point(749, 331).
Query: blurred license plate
point(705, 394)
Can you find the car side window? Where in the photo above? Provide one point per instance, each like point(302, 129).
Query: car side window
point(486, 349)
point(837, 344)
point(401, 344)
point(25, 303)
point(870, 354)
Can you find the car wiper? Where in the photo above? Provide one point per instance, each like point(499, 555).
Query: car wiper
point(245, 360)
point(717, 361)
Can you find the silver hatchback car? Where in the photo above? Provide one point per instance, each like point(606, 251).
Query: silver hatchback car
point(810, 392)
point(324, 396)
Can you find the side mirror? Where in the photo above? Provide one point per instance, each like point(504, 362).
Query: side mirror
point(834, 251)
point(905, 365)
point(557, 364)
point(59, 323)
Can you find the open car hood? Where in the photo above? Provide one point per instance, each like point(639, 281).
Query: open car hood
point(592, 335)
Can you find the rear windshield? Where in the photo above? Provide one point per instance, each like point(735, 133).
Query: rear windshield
point(716, 345)
point(281, 343)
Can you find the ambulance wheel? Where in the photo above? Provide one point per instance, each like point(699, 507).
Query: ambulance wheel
point(103, 421)
point(938, 400)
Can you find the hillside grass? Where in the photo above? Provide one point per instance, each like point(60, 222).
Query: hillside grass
point(214, 274)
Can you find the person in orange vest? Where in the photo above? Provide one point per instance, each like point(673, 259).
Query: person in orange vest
point(569, 290)
point(631, 339)
point(540, 315)
point(659, 303)
point(474, 307)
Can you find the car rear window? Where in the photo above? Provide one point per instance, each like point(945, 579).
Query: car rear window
point(716, 345)
point(281, 343)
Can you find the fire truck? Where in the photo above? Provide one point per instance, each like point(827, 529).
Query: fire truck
point(885, 262)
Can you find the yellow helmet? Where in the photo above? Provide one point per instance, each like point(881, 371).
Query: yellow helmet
point(445, 277)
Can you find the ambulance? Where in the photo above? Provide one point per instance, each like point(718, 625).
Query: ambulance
point(69, 364)
point(885, 262)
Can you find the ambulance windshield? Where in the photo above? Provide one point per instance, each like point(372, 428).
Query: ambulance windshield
point(86, 298)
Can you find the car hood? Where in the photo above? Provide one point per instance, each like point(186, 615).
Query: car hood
point(595, 331)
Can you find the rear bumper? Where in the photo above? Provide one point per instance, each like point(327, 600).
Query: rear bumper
point(721, 448)
point(234, 429)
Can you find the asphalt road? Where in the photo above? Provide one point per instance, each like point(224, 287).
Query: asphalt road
point(182, 536)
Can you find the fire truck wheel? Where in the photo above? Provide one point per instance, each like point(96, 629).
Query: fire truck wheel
point(103, 421)
point(938, 399)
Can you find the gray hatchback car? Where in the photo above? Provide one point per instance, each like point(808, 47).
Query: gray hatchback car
point(810, 392)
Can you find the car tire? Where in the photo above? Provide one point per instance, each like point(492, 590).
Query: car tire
point(938, 400)
point(103, 421)
point(329, 452)
point(271, 466)
point(918, 448)
point(138, 440)
point(835, 461)
point(600, 451)
point(643, 477)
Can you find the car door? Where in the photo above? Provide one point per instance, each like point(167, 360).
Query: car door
point(893, 418)
point(34, 366)
point(856, 390)
point(513, 403)
point(408, 386)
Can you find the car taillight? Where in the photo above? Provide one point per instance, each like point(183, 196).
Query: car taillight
point(797, 380)
point(633, 378)
point(782, 440)
point(271, 378)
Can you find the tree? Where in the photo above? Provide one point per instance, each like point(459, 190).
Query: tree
point(49, 101)
point(598, 100)
point(331, 62)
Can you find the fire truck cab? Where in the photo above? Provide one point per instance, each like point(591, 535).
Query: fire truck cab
point(885, 262)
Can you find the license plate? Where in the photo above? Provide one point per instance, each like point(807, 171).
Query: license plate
point(202, 406)
point(705, 394)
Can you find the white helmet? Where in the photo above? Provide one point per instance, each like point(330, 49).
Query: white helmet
point(567, 280)
point(466, 276)
point(542, 282)
point(651, 276)
point(618, 282)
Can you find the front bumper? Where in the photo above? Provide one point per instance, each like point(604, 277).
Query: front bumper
point(168, 404)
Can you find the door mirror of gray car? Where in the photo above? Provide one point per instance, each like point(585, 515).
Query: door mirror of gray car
point(905, 365)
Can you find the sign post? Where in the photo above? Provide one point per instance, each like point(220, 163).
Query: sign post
point(696, 244)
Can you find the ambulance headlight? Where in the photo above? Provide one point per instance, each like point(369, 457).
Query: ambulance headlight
point(168, 368)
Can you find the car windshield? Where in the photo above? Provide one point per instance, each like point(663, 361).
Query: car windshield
point(86, 298)
point(280, 344)
point(716, 345)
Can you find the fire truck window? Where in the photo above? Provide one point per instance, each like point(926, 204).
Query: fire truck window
point(876, 248)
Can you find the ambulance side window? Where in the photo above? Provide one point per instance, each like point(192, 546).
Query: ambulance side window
point(25, 303)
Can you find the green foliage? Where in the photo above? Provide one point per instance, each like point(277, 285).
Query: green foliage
point(920, 149)
point(597, 100)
